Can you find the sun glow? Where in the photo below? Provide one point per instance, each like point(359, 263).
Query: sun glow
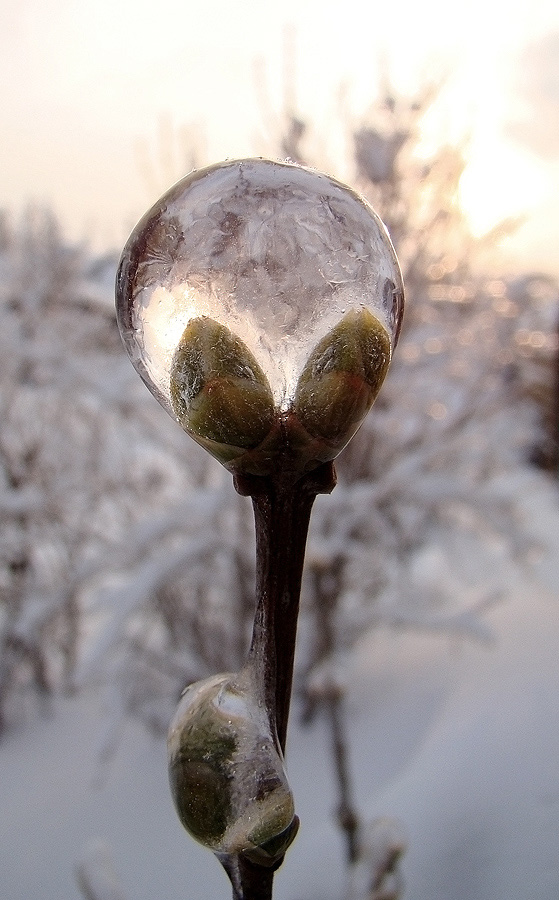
point(500, 182)
point(196, 64)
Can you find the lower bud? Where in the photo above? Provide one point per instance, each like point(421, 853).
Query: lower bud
point(227, 774)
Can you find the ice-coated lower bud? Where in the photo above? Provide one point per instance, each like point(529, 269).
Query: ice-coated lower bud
point(226, 773)
point(341, 380)
point(219, 393)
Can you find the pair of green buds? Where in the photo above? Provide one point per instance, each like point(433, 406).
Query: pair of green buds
point(226, 771)
point(221, 396)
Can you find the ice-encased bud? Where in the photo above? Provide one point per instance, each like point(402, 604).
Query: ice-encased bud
point(218, 391)
point(226, 773)
point(342, 378)
point(276, 259)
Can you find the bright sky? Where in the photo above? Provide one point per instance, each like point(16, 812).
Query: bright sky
point(85, 85)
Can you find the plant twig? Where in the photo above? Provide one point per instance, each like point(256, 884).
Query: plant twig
point(282, 510)
point(248, 880)
point(348, 819)
point(281, 514)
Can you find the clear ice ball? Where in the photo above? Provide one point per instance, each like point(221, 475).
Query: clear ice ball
point(261, 301)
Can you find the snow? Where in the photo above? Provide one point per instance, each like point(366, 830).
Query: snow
point(456, 739)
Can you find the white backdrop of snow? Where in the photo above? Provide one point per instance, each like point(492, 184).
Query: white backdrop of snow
point(458, 740)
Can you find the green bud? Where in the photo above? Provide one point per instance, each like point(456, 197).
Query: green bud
point(201, 748)
point(219, 393)
point(341, 380)
point(226, 773)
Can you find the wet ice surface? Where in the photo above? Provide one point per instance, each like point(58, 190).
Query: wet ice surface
point(275, 252)
point(227, 775)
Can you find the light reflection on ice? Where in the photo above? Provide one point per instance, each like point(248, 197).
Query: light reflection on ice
point(275, 252)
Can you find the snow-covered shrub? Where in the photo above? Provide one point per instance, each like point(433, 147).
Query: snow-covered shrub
point(80, 461)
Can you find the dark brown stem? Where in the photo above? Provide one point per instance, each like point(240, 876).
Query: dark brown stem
point(282, 510)
point(249, 881)
point(281, 514)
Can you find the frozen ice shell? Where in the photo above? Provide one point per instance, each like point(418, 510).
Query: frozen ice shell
point(274, 253)
point(226, 771)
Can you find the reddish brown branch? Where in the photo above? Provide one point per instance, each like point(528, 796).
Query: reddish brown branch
point(282, 510)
